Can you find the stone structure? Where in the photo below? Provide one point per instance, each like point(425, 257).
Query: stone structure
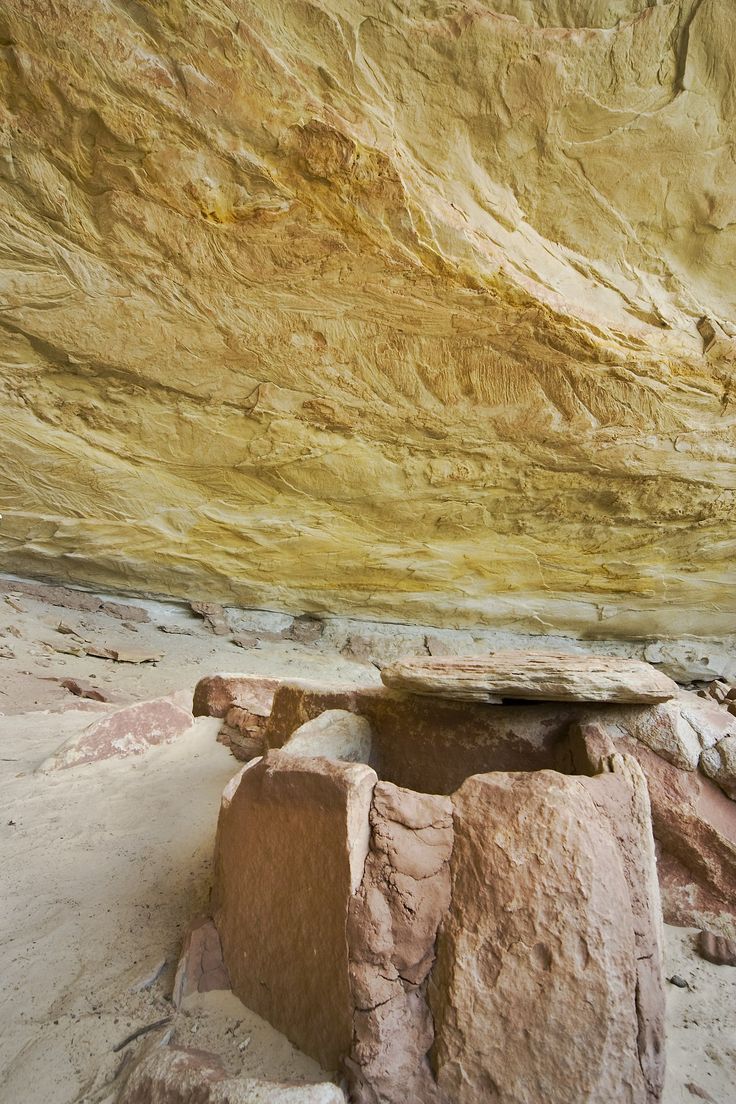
point(451, 949)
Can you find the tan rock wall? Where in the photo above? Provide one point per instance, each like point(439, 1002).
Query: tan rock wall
point(373, 307)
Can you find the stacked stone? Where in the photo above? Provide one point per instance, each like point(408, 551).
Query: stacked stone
point(447, 948)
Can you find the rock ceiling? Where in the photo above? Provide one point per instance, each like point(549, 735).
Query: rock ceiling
point(418, 310)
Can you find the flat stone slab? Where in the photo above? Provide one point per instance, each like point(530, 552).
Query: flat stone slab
point(128, 731)
point(531, 675)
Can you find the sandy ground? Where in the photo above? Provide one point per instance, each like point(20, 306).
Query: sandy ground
point(105, 864)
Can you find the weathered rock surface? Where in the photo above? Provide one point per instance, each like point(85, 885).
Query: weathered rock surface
point(711, 722)
point(244, 733)
point(82, 600)
point(214, 617)
point(201, 968)
point(719, 763)
point(543, 933)
point(392, 929)
point(334, 734)
point(621, 797)
point(260, 268)
point(216, 695)
point(663, 728)
point(694, 825)
point(530, 675)
point(174, 1075)
point(128, 731)
point(291, 847)
point(433, 744)
point(717, 949)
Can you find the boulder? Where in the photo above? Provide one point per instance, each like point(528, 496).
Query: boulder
point(531, 675)
point(214, 617)
point(175, 1075)
point(711, 721)
point(661, 727)
point(216, 695)
point(392, 929)
point(128, 731)
point(534, 992)
point(304, 630)
point(291, 847)
point(719, 763)
point(334, 734)
point(694, 826)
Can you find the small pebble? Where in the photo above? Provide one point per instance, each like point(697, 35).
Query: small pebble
point(678, 981)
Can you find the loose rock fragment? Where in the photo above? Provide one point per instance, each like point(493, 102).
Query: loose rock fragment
point(125, 612)
point(717, 948)
point(121, 655)
point(149, 978)
point(214, 617)
point(80, 600)
point(304, 630)
point(83, 689)
point(175, 1075)
point(678, 982)
point(128, 731)
point(201, 968)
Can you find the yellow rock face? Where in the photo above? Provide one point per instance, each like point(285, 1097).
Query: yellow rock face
point(418, 310)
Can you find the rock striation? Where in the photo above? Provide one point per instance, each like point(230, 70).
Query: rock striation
point(543, 676)
point(359, 306)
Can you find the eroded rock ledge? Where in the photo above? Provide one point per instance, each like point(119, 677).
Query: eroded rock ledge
point(418, 312)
